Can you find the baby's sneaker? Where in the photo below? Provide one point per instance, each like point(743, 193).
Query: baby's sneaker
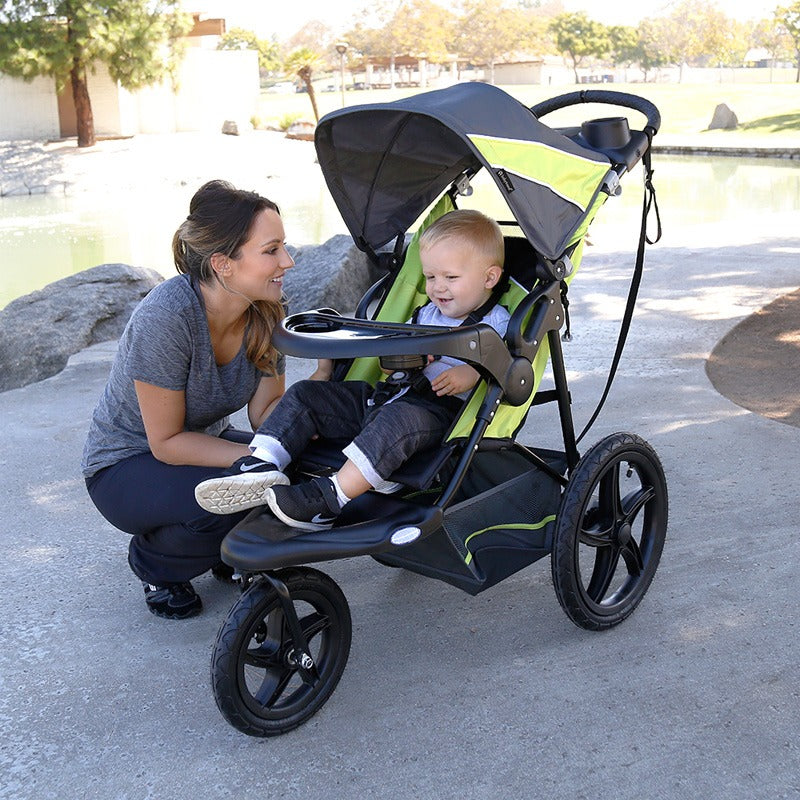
point(309, 506)
point(243, 485)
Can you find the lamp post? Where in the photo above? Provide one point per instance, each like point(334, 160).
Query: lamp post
point(341, 49)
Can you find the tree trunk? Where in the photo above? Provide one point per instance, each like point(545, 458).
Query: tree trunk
point(83, 105)
point(304, 73)
point(313, 97)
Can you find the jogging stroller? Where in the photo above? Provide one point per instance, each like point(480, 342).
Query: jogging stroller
point(482, 506)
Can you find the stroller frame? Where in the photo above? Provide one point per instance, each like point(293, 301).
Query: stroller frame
point(284, 645)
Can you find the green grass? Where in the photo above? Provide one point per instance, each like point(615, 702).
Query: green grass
point(763, 109)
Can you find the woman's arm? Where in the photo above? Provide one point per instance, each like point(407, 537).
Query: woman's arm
point(264, 399)
point(270, 390)
point(164, 414)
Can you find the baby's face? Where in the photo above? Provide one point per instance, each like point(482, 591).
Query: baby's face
point(457, 279)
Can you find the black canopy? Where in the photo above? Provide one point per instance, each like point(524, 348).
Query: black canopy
point(385, 163)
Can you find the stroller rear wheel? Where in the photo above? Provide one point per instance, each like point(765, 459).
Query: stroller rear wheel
point(610, 531)
point(263, 683)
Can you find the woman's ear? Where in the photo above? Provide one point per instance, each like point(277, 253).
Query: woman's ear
point(493, 274)
point(220, 265)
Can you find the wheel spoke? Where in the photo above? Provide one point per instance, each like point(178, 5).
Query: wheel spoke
point(314, 623)
point(635, 501)
point(605, 566)
point(632, 556)
point(273, 686)
point(596, 537)
point(263, 657)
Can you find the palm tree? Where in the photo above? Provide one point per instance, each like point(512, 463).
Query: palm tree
point(302, 63)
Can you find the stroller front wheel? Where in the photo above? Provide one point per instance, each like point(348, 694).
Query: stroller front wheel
point(262, 684)
point(610, 532)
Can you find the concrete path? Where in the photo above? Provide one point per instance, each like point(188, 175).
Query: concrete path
point(446, 696)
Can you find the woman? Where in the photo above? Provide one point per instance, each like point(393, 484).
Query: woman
point(195, 350)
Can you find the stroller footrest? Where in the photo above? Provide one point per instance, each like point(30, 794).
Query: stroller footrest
point(261, 542)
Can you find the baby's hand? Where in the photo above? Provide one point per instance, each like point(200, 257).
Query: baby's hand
point(455, 380)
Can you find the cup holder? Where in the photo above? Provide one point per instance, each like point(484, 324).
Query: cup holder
point(607, 133)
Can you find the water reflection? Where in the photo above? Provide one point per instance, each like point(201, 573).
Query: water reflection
point(44, 238)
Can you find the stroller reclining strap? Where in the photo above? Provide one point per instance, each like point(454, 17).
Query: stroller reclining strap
point(648, 202)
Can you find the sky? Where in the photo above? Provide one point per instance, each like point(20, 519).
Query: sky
point(268, 17)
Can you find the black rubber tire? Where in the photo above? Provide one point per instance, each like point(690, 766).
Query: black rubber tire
point(257, 687)
point(610, 531)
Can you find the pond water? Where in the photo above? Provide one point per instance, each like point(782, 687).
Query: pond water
point(47, 237)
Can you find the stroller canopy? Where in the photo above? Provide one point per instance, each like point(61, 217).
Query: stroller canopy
point(385, 163)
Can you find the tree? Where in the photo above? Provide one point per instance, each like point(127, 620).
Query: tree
point(135, 39)
point(302, 63)
point(693, 32)
point(624, 45)
point(241, 39)
point(489, 30)
point(789, 19)
point(579, 37)
point(653, 45)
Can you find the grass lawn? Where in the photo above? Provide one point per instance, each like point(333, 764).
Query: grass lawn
point(763, 109)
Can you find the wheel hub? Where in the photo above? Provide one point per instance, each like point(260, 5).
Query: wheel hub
point(624, 534)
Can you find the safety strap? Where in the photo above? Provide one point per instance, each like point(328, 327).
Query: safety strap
point(648, 202)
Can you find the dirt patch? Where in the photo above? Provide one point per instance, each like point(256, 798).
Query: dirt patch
point(757, 364)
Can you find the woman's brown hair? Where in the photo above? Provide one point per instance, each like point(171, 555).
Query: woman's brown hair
point(220, 220)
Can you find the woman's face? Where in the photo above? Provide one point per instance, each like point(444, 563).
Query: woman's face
point(257, 271)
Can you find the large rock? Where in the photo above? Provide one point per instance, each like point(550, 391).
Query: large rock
point(723, 119)
point(334, 274)
point(40, 331)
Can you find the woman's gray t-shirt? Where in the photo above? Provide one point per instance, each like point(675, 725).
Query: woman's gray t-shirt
point(167, 343)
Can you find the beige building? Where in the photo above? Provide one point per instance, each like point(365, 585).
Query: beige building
point(212, 86)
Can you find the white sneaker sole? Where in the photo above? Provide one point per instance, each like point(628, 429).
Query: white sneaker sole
point(231, 493)
point(293, 523)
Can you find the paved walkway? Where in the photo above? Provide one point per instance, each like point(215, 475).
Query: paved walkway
point(446, 696)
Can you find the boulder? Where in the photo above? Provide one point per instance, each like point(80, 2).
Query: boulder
point(723, 119)
point(40, 331)
point(334, 275)
point(301, 130)
point(230, 127)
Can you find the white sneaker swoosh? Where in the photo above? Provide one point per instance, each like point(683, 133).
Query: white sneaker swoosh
point(248, 467)
point(321, 519)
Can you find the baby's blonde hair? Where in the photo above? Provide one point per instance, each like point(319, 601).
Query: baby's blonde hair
point(471, 227)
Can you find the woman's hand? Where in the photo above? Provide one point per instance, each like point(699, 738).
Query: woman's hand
point(455, 380)
point(323, 371)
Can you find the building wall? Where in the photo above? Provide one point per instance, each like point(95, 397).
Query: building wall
point(28, 110)
point(517, 74)
point(213, 86)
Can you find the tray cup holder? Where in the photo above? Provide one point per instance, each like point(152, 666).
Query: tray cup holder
point(607, 133)
point(403, 362)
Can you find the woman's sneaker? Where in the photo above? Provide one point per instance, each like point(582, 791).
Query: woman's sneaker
point(310, 506)
point(243, 485)
point(175, 601)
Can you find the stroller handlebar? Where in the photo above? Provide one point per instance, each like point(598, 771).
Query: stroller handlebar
point(603, 96)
